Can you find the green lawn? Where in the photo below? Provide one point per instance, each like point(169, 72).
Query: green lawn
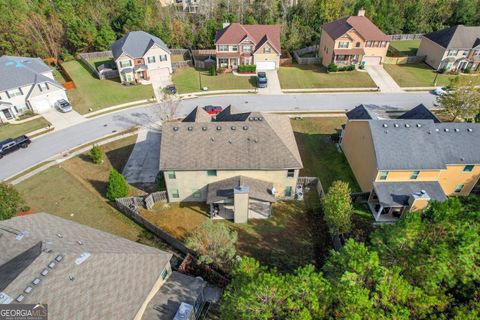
point(418, 75)
point(188, 80)
point(93, 93)
point(405, 48)
point(313, 76)
point(14, 130)
point(100, 60)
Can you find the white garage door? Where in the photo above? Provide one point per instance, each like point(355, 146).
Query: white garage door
point(372, 61)
point(160, 77)
point(40, 106)
point(266, 65)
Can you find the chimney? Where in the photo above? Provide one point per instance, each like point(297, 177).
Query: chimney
point(226, 24)
point(361, 12)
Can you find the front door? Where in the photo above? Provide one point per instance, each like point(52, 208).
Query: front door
point(8, 114)
point(462, 65)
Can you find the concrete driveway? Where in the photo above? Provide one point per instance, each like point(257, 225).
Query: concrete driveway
point(159, 81)
point(143, 163)
point(382, 79)
point(62, 120)
point(273, 86)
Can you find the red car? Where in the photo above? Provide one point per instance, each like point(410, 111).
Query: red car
point(213, 109)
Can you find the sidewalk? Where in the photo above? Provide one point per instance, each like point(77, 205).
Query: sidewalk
point(61, 120)
point(382, 79)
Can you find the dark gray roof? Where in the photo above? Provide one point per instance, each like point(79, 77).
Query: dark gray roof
point(420, 112)
point(260, 142)
point(394, 194)
point(459, 142)
point(13, 268)
point(455, 37)
point(135, 44)
point(198, 115)
point(22, 71)
point(223, 190)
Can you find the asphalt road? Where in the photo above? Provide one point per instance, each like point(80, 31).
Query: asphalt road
point(45, 147)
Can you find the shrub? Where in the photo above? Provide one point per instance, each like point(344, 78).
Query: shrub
point(351, 67)
point(117, 186)
point(11, 202)
point(96, 154)
point(247, 68)
point(361, 67)
point(467, 70)
point(337, 206)
point(213, 70)
point(342, 68)
point(442, 70)
point(332, 67)
point(221, 70)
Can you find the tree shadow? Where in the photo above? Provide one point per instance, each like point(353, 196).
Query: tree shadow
point(253, 81)
point(119, 157)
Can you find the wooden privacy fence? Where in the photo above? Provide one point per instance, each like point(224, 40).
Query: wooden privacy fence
point(201, 58)
point(69, 84)
point(312, 181)
point(297, 54)
point(286, 58)
point(403, 37)
point(106, 73)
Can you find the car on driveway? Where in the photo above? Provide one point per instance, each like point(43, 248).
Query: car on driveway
point(213, 109)
point(63, 105)
point(10, 145)
point(440, 91)
point(262, 80)
point(171, 89)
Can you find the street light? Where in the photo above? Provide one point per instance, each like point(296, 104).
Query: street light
point(435, 80)
point(200, 79)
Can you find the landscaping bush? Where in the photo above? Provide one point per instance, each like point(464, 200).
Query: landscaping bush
point(247, 68)
point(213, 70)
point(361, 67)
point(351, 67)
point(117, 186)
point(221, 70)
point(11, 202)
point(96, 154)
point(442, 70)
point(332, 67)
point(342, 68)
point(467, 70)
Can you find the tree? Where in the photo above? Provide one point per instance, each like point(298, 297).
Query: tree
point(214, 243)
point(96, 154)
point(117, 186)
point(11, 201)
point(337, 207)
point(105, 37)
point(463, 100)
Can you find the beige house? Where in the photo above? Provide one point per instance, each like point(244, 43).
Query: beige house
point(406, 162)
point(353, 40)
point(142, 58)
point(238, 163)
point(456, 48)
point(239, 44)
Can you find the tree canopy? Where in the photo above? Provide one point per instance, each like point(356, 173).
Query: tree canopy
point(10, 201)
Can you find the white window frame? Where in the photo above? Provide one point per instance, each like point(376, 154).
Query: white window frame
point(343, 44)
point(267, 50)
point(163, 57)
point(14, 92)
point(43, 86)
point(123, 63)
point(449, 53)
point(223, 47)
point(245, 46)
point(235, 48)
point(149, 59)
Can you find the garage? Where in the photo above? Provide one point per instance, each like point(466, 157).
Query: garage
point(40, 106)
point(160, 77)
point(266, 65)
point(372, 61)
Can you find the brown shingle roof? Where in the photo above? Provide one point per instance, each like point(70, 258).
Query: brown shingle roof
point(366, 28)
point(198, 115)
point(236, 32)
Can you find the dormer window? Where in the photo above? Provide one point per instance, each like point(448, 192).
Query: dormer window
point(452, 53)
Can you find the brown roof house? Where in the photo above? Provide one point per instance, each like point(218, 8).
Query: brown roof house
point(454, 48)
point(255, 44)
point(353, 40)
point(238, 162)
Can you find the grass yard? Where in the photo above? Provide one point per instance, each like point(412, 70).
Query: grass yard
point(405, 48)
point(9, 130)
point(419, 75)
point(97, 94)
point(96, 62)
point(313, 76)
point(188, 80)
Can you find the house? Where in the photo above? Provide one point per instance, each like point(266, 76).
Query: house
point(407, 161)
point(456, 48)
point(353, 40)
point(27, 84)
point(142, 58)
point(255, 44)
point(238, 162)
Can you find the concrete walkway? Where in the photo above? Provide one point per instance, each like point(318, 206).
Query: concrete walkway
point(143, 163)
point(382, 79)
point(273, 86)
point(62, 120)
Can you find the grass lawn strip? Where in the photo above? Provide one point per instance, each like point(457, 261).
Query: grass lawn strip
point(9, 130)
point(406, 47)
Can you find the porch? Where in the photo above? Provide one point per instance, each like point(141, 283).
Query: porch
point(138, 74)
point(348, 56)
point(232, 62)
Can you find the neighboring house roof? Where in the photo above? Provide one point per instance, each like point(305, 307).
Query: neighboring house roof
point(224, 189)
point(198, 115)
point(112, 275)
point(370, 111)
point(396, 194)
point(361, 24)
point(249, 140)
point(257, 33)
point(135, 44)
point(23, 71)
point(420, 112)
point(456, 37)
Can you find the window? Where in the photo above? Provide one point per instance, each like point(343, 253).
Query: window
point(452, 53)
point(247, 48)
point(126, 63)
point(288, 191)
point(43, 86)
point(477, 53)
point(171, 175)
point(196, 194)
point(267, 50)
point(223, 47)
point(14, 92)
point(376, 43)
point(211, 173)
point(290, 173)
point(343, 44)
point(383, 175)
point(223, 62)
point(21, 108)
point(235, 48)
point(459, 188)
point(468, 168)
point(164, 274)
point(151, 59)
point(369, 44)
point(163, 57)
point(357, 45)
point(128, 77)
point(138, 61)
point(414, 175)
point(384, 44)
point(464, 53)
point(175, 193)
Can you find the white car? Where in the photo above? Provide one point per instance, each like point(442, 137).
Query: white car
point(440, 91)
point(63, 106)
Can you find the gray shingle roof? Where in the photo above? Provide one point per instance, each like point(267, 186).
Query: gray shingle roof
point(259, 142)
point(394, 194)
point(198, 115)
point(114, 281)
point(420, 112)
point(223, 189)
point(459, 142)
point(455, 37)
point(135, 44)
point(22, 71)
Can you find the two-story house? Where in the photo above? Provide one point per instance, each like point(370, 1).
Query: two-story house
point(142, 58)
point(408, 161)
point(256, 44)
point(353, 40)
point(26, 84)
point(238, 163)
point(456, 48)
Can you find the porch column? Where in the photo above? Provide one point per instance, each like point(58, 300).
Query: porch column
point(379, 212)
point(241, 200)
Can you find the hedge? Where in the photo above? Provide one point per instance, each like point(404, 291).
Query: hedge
point(247, 68)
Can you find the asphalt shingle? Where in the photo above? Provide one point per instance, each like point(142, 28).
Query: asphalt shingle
point(135, 44)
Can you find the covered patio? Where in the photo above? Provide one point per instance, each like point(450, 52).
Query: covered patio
point(348, 56)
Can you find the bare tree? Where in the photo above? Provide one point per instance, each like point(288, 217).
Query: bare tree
point(48, 33)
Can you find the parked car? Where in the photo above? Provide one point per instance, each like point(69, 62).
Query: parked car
point(213, 109)
point(63, 105)
point(171, 89)
point(440, 91)
point(10, 145)
point(262, 80)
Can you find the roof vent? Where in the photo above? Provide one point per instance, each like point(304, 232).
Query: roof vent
point(28, 289)
point(255, 140)
point(396, 125)
point(385, 125)
point(44, 272)
point(52, 264)
point(190, 128)
point(71, 277)
point(59, 258)
point(469, 129)
point(233, 127)
point(260, 119)
point(219, 128)
point(83, 256)
point(437, 130)
point(456, 130)
point(245, 127)
point(386, 131)
point(407, 125)
point(204, 128)
point(80, 242)
point(212, 139)
point(251, 118)
point(36, 281)
point(446, 130)
point(59, 235)
point(175, 128)
point(230, 141)
point(419, 125)
point(20, 298)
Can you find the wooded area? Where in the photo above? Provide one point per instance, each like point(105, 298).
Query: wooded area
point(62, 28)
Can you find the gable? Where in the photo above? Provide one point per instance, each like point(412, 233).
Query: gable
point(266, 44)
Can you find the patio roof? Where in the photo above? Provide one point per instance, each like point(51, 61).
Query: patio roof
point(352, 51)
point(140, 67)
point(223, 190)
point(396, 194)
point(126, 70)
